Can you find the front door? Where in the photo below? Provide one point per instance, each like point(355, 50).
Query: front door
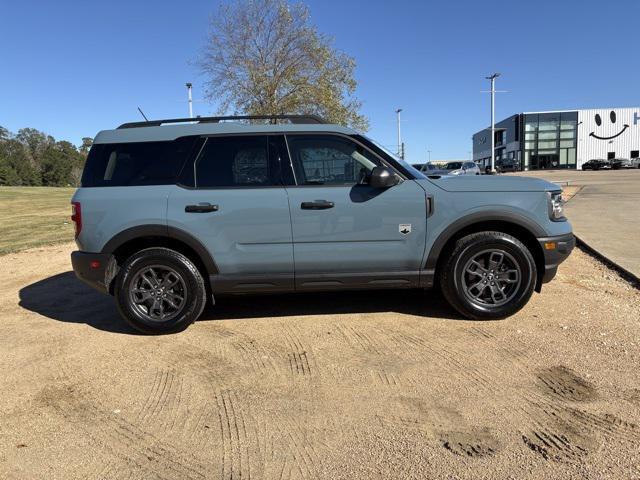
point(345, 232)
point(234, 203)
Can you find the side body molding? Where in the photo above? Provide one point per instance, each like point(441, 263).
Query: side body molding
point(477, 217)
point(162, 231)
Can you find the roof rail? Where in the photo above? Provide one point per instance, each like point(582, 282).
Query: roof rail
point(297, 119)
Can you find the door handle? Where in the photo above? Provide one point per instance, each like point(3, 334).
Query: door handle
point(317, 205)
point(201, 208)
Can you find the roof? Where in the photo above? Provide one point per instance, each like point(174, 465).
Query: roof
point(157, 131)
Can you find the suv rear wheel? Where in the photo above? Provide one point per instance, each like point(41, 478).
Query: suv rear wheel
point(489, 275)
point(159, 290)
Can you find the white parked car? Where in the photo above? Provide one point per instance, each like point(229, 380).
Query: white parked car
point(459, 168)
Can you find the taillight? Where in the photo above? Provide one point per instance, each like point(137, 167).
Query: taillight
point(76, 217)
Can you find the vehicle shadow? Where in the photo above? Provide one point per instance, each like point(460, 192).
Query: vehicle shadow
point(64, 298)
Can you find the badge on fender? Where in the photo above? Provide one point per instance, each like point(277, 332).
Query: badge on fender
point(404, 228)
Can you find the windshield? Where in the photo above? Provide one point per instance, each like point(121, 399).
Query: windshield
point(414, 171)
point(453, 166)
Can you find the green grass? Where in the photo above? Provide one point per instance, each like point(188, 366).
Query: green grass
point(34, 216)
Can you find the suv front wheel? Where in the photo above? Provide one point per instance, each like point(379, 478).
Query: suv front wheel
point(159, 290)
point(489, 275)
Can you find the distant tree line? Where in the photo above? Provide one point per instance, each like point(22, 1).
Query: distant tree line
point(33, 158)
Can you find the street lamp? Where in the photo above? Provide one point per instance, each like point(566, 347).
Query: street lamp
point(399, 137)
point(492, 78)
point(189, 85)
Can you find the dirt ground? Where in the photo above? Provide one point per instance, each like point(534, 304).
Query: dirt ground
point(336, 386)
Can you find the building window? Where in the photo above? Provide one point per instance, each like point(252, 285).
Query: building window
point(548, 135)
point(611, 155)
point(635, 154)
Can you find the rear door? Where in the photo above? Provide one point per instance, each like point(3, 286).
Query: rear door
point(233, 201)
point(345, 232)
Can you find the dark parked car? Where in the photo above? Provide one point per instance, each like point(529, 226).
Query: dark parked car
point(618, 163)
point(596, 164)
point(429, 168)
point(507, 166)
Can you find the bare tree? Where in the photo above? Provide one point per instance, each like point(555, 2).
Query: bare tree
point(264, 57)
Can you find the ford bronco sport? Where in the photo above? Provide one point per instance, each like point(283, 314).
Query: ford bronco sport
point(171, 213)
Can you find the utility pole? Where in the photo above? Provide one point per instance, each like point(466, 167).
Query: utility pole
point(492, 78)
point(399, 136)
point(188, 85)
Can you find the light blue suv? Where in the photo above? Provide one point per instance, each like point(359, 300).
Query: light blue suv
point(174, 212)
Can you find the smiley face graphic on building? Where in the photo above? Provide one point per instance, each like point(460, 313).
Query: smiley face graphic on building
point(612, 118)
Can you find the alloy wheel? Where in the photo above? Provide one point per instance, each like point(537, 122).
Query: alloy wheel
point(158, 293)
point(491, 278)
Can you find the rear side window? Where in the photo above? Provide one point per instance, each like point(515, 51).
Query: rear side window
point(235, 162)
point(136, 163)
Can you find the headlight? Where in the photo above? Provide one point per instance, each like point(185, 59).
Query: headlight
point(556, 206)
point(455, 172)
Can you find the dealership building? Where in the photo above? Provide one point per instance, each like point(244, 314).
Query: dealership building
point(561, 139)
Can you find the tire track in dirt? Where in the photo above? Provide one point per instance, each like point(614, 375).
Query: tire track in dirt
point(559, 431)
point(232, 450)
point(568, 433)
point(386, 379)
point(360, 340)
point(163, 402)
point(255, 356)
point(562, 382)
point(119, 438)
point(299, 446)
point(447, 427)
point(298, 355)
point(375, 347)
point(474, 443)
point(430, 350)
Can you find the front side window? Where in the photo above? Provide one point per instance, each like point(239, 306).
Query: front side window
point(329, 160)
point(234, 162)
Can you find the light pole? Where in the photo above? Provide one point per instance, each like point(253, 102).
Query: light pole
point(188, 85)
point(429, 155)
point(492, 78)
point(399, 137)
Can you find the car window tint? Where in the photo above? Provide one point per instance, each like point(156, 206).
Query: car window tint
point(136, 163)
point(234, 161)
point(329, 160)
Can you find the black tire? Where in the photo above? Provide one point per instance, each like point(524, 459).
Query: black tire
point(458, 282)
point(181, 280)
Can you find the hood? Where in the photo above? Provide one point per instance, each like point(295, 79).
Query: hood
point(490, 183)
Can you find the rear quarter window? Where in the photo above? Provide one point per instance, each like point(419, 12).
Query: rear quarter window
point(136, 163)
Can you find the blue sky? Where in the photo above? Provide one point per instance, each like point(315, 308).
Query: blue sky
point(74, 68)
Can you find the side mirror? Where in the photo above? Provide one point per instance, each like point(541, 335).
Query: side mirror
point(382, 177)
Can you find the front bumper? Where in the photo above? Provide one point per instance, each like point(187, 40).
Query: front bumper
point(95, 269)
point(556, 250)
